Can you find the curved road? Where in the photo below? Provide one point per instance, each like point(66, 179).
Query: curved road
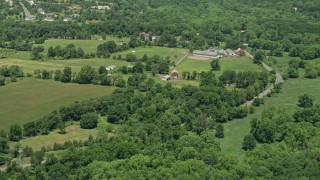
point(279, 79)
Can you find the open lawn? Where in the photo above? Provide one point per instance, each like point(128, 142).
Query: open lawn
point(30, 66)
point(282, 62)
point(237, 64)
point(29, 99)
point(74, 132)
point(174, 53)
point(235, 130)
point(11, 53)
point(89, 46)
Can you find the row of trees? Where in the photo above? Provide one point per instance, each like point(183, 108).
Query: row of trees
point(311, 71)
point(13, 71)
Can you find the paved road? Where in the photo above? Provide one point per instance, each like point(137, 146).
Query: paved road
point(279, 79)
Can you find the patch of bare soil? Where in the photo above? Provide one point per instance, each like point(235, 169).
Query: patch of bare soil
point(198, 58)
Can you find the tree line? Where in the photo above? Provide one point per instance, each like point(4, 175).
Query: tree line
point(13, 72)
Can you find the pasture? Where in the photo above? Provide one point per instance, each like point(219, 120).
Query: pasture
point(30, 66)
point(11, 53)
point(235, 130)
point(29, 99)
point(89, 46)
point(237, 64)
point(73, 133)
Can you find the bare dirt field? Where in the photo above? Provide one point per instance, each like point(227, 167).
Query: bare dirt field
point(199, 58)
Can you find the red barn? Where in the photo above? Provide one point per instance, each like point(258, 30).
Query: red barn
point(175, 74)
point(239, 51)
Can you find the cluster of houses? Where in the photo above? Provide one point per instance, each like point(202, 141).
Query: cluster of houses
point(101, 7)
point(218, 52)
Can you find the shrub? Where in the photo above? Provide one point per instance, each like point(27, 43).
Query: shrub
point(89, 121)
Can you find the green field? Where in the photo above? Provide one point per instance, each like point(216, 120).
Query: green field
point(237, 64)
point(155, 50)
point(73, 132)
point(11, 53)
point(235, 130)
point(282, 62)
point(30, 66)
point(89, 46)
point(29, 99)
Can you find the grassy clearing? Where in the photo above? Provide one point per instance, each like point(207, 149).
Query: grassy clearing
point(30, 66)
point(237, 64)
point(74, 132)
point(235, 130)
point(89, 46)
point(282, 62)
point(11, 53)
point(29, 99)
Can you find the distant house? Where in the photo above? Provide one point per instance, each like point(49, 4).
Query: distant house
point(31, 2)
point(30, 18)
point(41, 11)
point(133, 52)
point(67, 19)
point(49, 19)
point(101, 7)
point(239, 51)
point(166, 78)
point(110, 68)
point(154, 38)
point(10, 2)
point(75, 15)
point(230, 52)
point(145, 35)
point(175, 74)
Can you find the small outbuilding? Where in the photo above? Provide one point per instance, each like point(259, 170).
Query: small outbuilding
point(239, 51)
point(175, 74)
point(230, 52)
point(165, 78)
point(110, 68)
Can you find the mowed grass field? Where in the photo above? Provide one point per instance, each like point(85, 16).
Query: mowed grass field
point(237, 64)
point(10, 53)
point(235, 130)
point(73, 132)
point(30, 66)
point(29, 99)
point(89, 46)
